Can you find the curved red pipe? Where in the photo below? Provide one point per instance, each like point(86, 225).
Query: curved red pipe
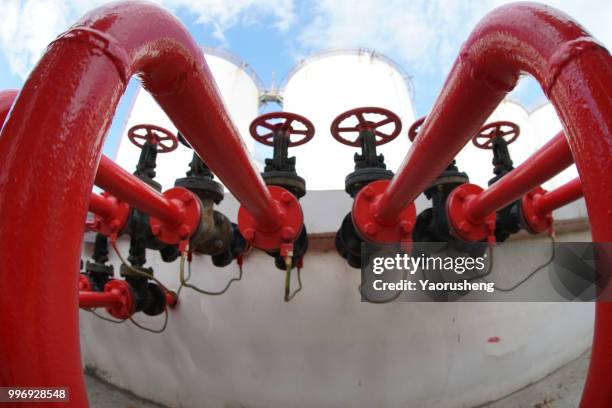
point(575, 73)
point(73, 93)
point(7, 98)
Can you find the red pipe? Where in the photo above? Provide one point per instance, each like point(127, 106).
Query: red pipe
point(73, 92)
point(130, 189)
point(101, 206)
point(511, 40)
point(575, 73)
point(550, 160)
point(559, 197)
point(7, 98)
point(90, 299)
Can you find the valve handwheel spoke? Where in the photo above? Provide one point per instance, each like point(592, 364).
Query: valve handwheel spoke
point(507, 130)
point(364, 125)
point(282, 122)
point(162, 138)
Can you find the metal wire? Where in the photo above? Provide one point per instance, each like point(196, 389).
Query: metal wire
point(155, 331)
point(526, 278)
point(135, 272)
point(391, 299)
point(288, 294)
point(99, 316)
point(184, 281)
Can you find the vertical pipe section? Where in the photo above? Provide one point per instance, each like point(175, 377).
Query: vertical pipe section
point(550, 160)
point(559, 197)
point(575, 72)
point(73, 93)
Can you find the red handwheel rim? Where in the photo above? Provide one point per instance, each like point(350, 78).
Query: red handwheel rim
point(153, 136)
point(264, 121)
point(494, 130)
point(364, 125)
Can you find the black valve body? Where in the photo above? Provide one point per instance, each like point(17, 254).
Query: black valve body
point(369, 167)
point(508, 219)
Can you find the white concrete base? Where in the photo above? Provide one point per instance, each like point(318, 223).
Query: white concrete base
point(326, 348)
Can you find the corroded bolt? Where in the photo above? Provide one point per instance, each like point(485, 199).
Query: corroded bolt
point(371, 228)
point(533, 219)
point(287, 233)
point(249, 234)
point(286, 198)
point(155, 230)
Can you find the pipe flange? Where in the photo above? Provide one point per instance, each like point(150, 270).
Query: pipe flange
point(365, 219)
point(113, 225)
point(461, 225)
point(532, 220)
point(84, 283)
point(126, 308)
point(190, 209)
point(292, 222)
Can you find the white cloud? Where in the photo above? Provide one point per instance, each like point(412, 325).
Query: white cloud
point(29, 25)
point(223, 14)
point(425, 34)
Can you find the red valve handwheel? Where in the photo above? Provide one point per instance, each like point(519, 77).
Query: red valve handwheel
point(365, 125)
point(507, 130)
point(267, 121)
point(414, 129)
point(153, 134)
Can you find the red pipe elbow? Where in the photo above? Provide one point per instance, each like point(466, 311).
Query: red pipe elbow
point(76, 87)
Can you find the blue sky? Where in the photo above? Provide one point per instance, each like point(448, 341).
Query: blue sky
point(423, 36)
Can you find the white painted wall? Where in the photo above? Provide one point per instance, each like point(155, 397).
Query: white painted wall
point(327, 349)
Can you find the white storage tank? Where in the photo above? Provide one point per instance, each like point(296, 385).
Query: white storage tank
point(327, 84)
